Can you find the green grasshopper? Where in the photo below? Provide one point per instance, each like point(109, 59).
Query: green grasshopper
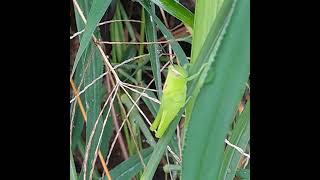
point(173, 98)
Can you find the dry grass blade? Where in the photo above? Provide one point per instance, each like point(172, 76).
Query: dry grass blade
point(89, 85)
point(177, 158)
point(115, 119)
point(105, 168)
point(145, 43)
point(104, 74)
point(103, 23)
point(72, 120)
point(241, 151)
point(114, 142)
point(168, 162)
point(139, 87)
point(131, 132)
point(104, 56)
point(143, 94)
point(93, 132)
point(130, 59)
point(145, 117)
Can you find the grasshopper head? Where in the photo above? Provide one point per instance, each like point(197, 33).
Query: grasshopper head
point(178, 71)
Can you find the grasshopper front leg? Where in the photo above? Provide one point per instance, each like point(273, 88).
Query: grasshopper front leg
point(198, 73)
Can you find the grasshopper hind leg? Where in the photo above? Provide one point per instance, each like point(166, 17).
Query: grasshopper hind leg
point(163, 125)
point(156, 122)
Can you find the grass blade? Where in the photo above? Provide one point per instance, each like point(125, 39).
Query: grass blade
point(208, 126)
point(243, 174)
point(93, 94)
point(160, 148)
point(117, 34)
point(73, 172)
point(128, 25)
point(167, 34)
point(171, 167)
point(97, 10)
point(93, 101)
point(81, 147)
point(104, 147)
point(78, 118)
point(152, 106)
point(240, 137)
point(135, 116)
point(77, 127)
point(177, 10)
point(129, 168)
point(151, 36)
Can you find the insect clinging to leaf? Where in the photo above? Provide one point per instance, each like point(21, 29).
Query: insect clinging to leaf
point(173, 97)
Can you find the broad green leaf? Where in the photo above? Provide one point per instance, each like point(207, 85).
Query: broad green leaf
point(216, 32)
point(206, 12)
point(218, 99)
